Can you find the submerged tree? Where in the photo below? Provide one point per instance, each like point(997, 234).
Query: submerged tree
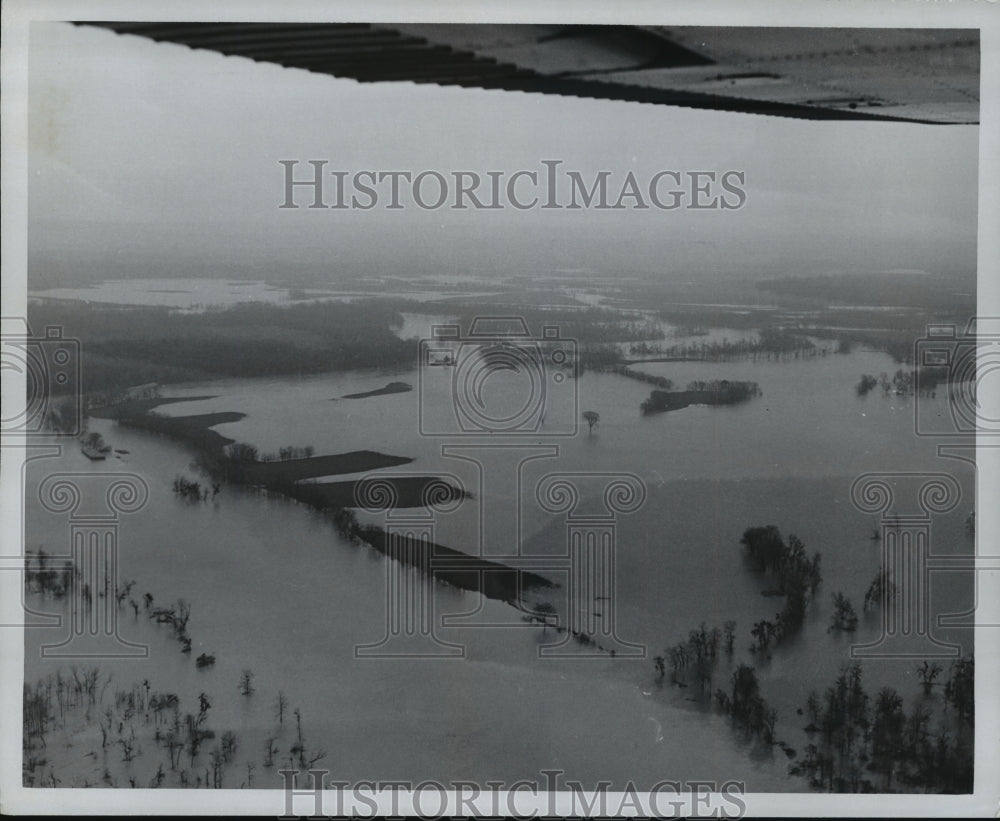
point(880, 590)
point(887, 733)
point(242, 452)
point(591, 418)
point(661, 669)
point(844, 618)
point(246, 683)
point(729, 635)
point(959, 691)
point(866, 384)
point(970, 524)
point(928, 672)
point(748, 708)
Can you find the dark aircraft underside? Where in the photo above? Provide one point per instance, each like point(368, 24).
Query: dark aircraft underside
point(913, 75)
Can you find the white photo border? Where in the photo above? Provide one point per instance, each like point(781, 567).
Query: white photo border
point(983, 15)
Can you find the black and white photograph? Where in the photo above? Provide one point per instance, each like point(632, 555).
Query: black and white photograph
point(438, 411)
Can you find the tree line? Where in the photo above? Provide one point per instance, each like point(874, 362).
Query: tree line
point(698, 658)
point(861, 743)
point(140, 345)
point(857, 742)
point(192, 491)
point(771, 344)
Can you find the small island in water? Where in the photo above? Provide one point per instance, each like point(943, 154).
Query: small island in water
point(392, 387)
point(722, 392)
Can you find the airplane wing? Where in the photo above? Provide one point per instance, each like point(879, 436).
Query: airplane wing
point(912, 75)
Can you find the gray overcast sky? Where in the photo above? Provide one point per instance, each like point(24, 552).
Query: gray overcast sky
point(152, 159)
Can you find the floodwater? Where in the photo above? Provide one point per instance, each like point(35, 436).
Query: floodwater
point(273, 588)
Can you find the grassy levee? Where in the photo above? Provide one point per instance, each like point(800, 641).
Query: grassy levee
point(391, 388)
point(468, 572)
point(493, 580)
point(411, 491)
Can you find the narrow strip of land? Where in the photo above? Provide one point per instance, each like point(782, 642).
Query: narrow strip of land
point(240, 465)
